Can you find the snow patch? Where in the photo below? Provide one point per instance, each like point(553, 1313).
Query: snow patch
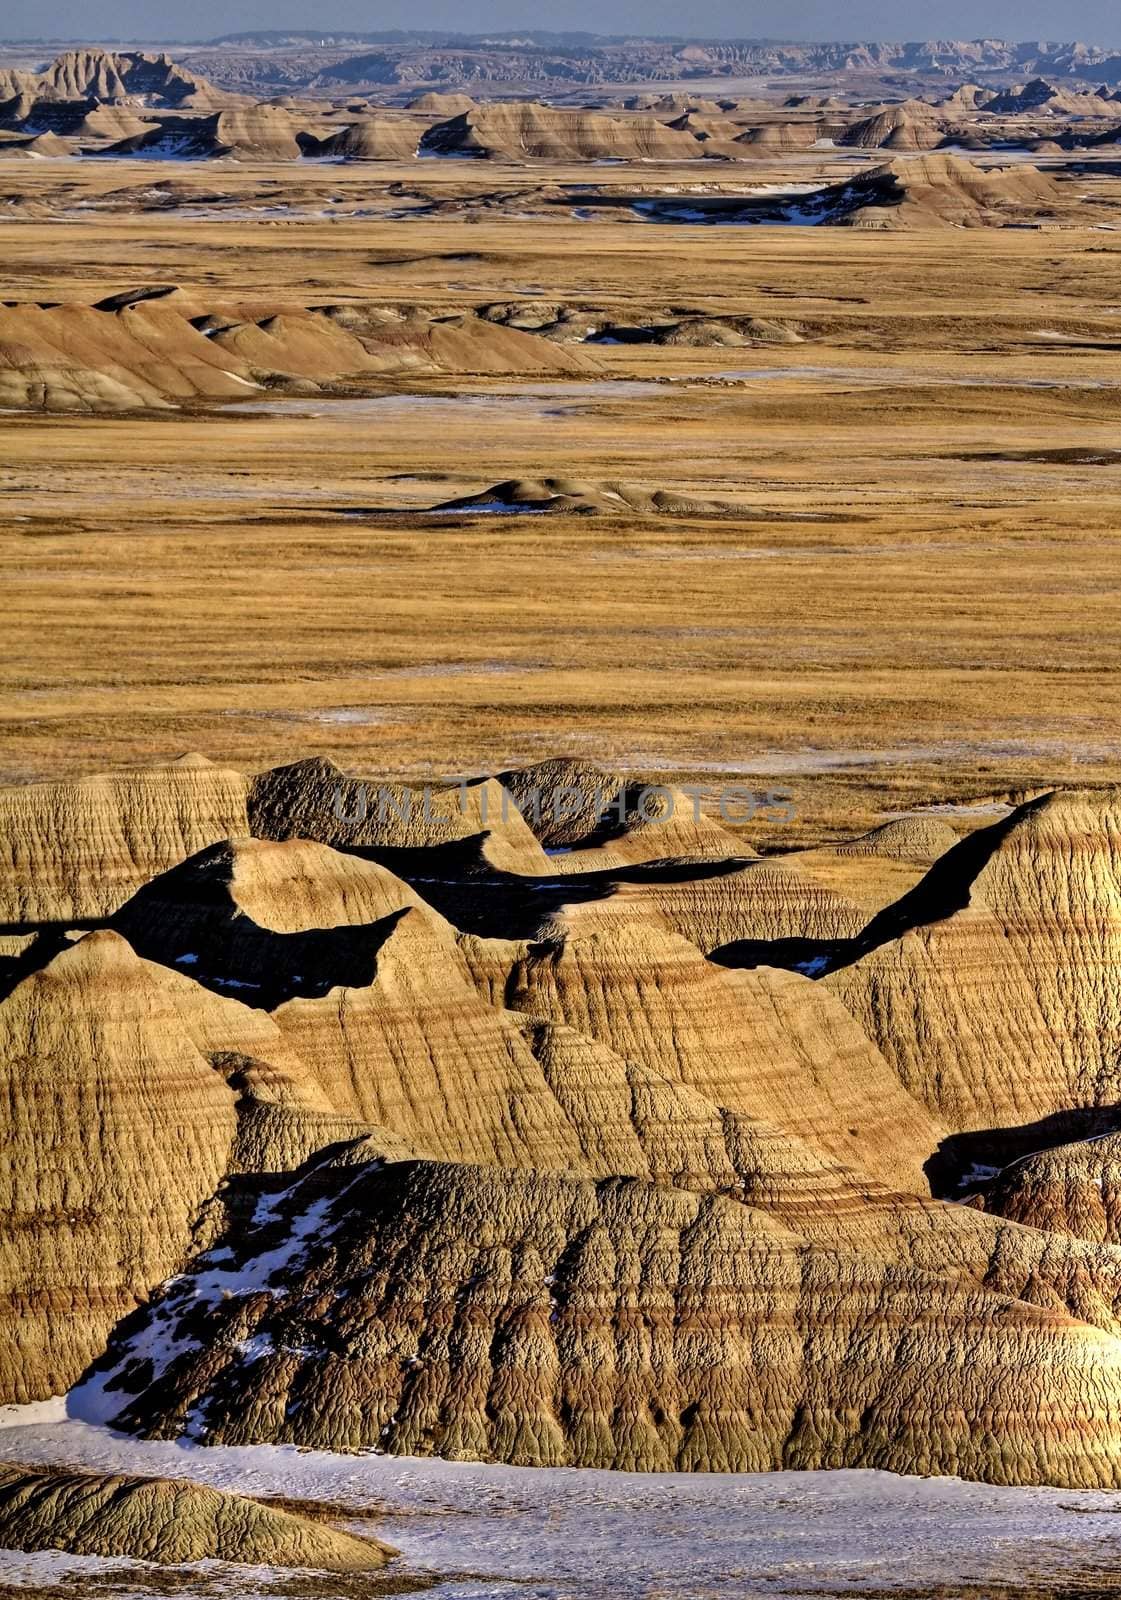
point(537, 1533)
point(217, 1276)
point(814, 967)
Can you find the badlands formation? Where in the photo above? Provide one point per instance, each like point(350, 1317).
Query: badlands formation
point(701, 1053)
point(399, 1133)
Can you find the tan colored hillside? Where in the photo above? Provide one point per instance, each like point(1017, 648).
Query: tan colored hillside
point(167, 1521)
point(160, 348)
point(513, 132)
point(607, 1324)
point(400, 1072)
point(994, 991)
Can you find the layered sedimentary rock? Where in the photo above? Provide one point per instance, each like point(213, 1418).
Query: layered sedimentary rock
point(167, 1520)
point(743, 913)
point(576, 495)
point(550, 62)
point(129, 77)
point(910, 125)
point(413, 1141)
point(71, 852)
point(374, 139)
point(316, 800)
point(111, 123)
point(120, 1122)
point(770, 1044)
point(775, 136)
point(442, 105)
point(993, 989)
point(424, 1308)
point(155, 348)
point(914, 838)
point(419, 1052)
point(1040, 96)
point(536, 132)
point(269, 921)
point(45, 146)
point(262, 133)
point(592, 820)
point(881, 866)
point(946, 191)
point(1073, 1189)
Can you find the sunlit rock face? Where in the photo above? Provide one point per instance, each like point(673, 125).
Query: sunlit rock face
point(539, 1318)
point(367, 1132)
point(998, 1002)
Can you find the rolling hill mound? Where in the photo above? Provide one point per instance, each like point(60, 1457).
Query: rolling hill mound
point(525, 131)
point(910, 125)
point(167, 1521)
point(938, 191)
point(263, 133)
point(112, 124)
point(155, 348)
point(537, 495)
point(373, 139)
point(44, 146)
point(778, 136)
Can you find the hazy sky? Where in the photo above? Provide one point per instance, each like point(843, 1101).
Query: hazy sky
point(1095, 20)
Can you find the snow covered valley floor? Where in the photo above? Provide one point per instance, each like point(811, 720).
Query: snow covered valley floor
point(473, 1532)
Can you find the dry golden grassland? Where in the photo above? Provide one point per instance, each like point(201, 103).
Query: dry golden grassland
point(918, 602)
